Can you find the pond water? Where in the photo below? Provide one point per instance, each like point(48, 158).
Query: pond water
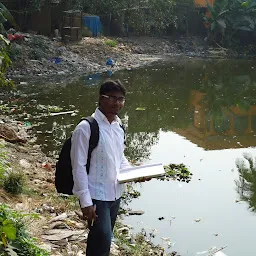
point(200, 113)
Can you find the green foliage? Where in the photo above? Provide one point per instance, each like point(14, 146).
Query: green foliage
point(5, 15)
point(153, 16)
point(246, 185)
point(3, 163)
point(5, 60)
point(15, 239)
point(140, 16)
point(129, 194)
point(111, 43)
point(217, 18)
point(4, 82)
point(227, 18)
point(178, 172)
point(141, 245)
point(35, 5)
point(14, 182)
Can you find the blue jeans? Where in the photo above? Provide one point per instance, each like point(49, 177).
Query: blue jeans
point(100, 235)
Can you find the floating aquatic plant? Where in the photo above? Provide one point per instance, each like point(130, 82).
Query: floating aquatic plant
point(177, 172)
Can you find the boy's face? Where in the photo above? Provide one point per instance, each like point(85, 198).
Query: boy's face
point(112, 102)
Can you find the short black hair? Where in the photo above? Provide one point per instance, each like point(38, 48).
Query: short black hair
point(112, 86)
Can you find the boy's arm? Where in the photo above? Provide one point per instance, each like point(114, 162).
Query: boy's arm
point(124, 163)
point(78, 155)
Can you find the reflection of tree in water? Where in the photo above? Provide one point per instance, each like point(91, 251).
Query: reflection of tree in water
point(246, 185)
point(139, 145)
point(223, 95)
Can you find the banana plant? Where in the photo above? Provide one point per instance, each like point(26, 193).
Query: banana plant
point(229, 17)
point(243, 15)
point(5, 16)
point(217, 14)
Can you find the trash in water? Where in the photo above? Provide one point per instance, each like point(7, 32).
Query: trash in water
point(214, 251)
point(58, 60)
point(92, 79)
point(55, 60)
point(28, 124)
point(62, 113)
point(95, 76)
point(140, 109)
point(23, 83)
point(109, 73)
point(219, 254)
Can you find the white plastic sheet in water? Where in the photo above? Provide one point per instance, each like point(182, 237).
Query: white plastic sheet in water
point(213, 252)
point(219, 254)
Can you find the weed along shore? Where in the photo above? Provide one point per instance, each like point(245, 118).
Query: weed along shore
point(40, 220)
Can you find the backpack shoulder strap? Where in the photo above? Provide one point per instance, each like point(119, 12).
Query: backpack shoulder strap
point(124, 133)
point(94, 139)
point(122, 126)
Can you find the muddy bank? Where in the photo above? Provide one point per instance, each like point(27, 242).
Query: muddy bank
point(39, 56)
point(59, 229)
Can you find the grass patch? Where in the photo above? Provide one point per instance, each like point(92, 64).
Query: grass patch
point(111, 43)
point(3, 162)
point(30, 192)
point(14, 182)
point(63, 203)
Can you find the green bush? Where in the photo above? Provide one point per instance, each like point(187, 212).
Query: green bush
point(5, 62)
point(14, 182)
point(15, 239)
point(111, 43)
point(3, 162)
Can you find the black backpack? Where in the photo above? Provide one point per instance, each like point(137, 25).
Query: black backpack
point(63, 174)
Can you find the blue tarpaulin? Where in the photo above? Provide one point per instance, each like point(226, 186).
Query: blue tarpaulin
point(93, 23)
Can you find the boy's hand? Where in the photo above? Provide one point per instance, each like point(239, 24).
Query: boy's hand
point(143, 179)
point(89, 213)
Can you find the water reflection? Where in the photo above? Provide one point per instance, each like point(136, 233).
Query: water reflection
point(220, 126)
point(246, 184)
point(224, 114)
point(209, 103)
point(139, 145)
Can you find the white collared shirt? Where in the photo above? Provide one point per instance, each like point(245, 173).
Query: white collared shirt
point(106, 161)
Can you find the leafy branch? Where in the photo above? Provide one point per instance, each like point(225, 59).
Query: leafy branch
point(15, 239)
